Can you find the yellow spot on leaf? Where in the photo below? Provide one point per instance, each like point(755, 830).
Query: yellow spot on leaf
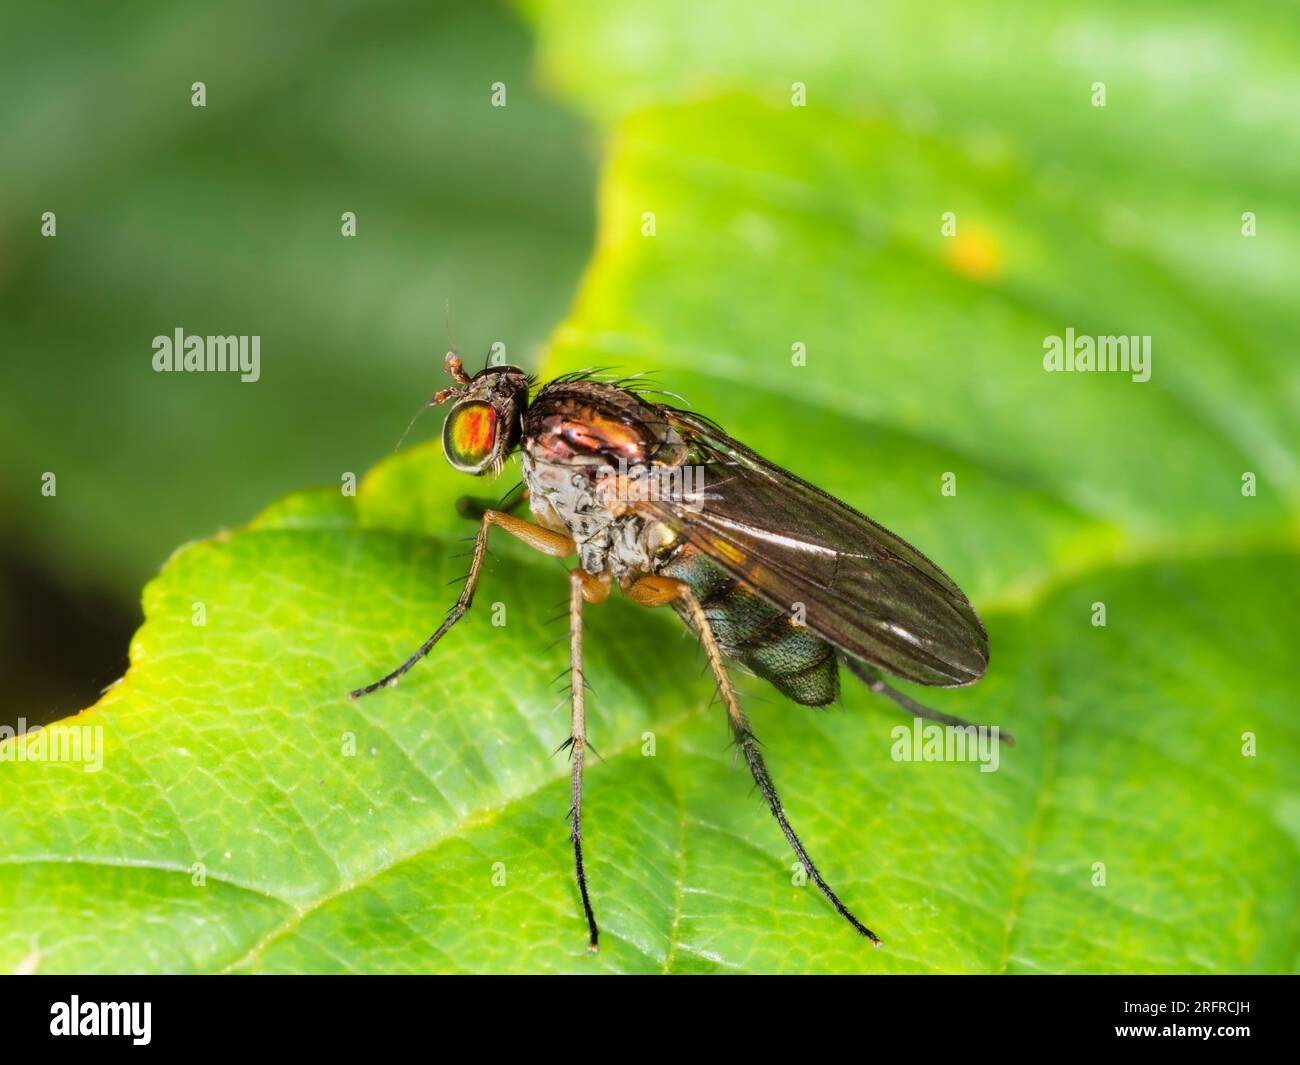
point(975, 253)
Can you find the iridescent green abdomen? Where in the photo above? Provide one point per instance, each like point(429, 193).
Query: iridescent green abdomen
point(749, 629)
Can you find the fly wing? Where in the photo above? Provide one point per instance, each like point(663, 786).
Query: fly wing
point(865, 590)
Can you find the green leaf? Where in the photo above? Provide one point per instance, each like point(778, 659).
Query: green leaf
point(1159, 751)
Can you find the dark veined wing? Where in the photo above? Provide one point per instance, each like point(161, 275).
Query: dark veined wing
point(865, 590)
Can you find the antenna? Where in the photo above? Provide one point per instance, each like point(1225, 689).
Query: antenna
point(411, 425)
point(451, 363)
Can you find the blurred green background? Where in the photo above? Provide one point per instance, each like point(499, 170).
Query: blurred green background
point(775, 225)
point(473, 225)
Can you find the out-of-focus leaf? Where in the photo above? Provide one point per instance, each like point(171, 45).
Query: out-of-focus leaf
point(472, 223)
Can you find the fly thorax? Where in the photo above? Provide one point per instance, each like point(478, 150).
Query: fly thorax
point(570, 491)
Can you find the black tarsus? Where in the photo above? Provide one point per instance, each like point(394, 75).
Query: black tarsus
point(575, 822)
point(578, 748)
point(747, 742)
point(462, 604)
point(454, 616)
point(871, 677)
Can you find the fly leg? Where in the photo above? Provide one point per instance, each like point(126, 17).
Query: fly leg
point(544, 540)
point(657, 591)
point(582, 585)
point(870, 676)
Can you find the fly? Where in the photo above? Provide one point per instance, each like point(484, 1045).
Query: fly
point(766, 570)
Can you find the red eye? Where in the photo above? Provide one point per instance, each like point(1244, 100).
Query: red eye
point(469, 435)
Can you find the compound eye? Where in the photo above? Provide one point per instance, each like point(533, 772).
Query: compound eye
point(469, 436)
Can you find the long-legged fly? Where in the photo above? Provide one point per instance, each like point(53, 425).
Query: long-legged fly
point(767, 570)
